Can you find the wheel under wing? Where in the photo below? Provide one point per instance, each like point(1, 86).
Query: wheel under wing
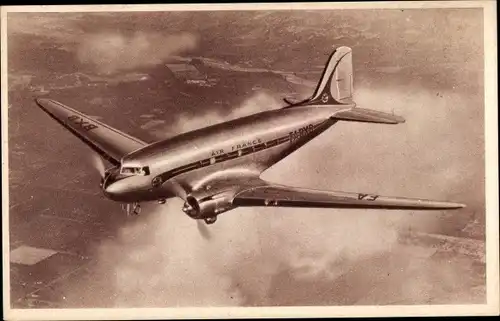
point(108, 142)
point(283, 196)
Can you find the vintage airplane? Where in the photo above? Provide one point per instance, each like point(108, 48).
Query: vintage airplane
point(218, 168)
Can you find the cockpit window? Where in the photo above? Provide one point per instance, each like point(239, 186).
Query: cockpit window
point(143, 171)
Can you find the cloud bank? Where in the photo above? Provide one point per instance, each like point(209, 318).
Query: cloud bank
point(110, 52)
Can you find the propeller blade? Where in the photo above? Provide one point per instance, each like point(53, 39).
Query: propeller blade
point(178, 190)
point(98, 164)
point(203, 229)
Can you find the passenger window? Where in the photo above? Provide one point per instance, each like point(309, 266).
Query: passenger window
point(259, 147)
point(272, 143)
point(220, 158)
point(232, 155)
point(246, 151)
point(283, 139)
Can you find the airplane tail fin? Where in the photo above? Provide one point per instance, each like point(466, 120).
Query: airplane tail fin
point(335, 86)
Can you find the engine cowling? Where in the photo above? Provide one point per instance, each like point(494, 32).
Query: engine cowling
point(109, 173)
point(201, 205)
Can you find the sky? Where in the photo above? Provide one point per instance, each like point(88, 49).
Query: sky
point(425, 65)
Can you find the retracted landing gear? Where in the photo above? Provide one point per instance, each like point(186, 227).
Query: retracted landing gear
point(210, 220)
point(132, 209)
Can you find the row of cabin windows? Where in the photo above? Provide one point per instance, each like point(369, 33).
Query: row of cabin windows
point(224, 157)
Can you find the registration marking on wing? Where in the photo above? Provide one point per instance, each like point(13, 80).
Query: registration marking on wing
point(367, 197)
point(80, 122)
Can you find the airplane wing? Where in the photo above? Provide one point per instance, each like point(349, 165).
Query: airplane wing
point(284, 196)
point(108, 142)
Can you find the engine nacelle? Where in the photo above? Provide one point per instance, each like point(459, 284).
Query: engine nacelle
point(109, 173)
point(204, 204)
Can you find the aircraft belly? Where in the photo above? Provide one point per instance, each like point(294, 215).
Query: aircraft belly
point(142, 195)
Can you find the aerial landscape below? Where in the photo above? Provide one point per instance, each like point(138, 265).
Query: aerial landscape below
point(155, 75)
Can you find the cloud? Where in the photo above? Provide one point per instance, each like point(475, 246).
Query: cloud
point(257, 103)
point(164, 261)
point(109, 52)
point(59, 27)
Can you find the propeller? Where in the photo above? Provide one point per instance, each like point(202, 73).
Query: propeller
point(203, 229)
point(181, 192)
point(98, 164)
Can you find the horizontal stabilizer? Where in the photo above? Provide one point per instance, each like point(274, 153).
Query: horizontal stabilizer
point(368, 116)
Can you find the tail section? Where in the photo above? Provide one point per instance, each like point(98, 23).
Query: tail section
point(335, 88)
point(336, 84)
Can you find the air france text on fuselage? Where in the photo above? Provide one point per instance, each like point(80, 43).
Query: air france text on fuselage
point(237, 146)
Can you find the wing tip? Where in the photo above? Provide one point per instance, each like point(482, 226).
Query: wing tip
point(400, 120)
point(457, 205)
point(450, 205)
point(41, 101)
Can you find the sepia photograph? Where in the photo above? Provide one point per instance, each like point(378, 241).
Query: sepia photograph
point(237, 160)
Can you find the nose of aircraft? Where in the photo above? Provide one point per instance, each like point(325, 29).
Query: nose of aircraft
point(116, 189)
point(113, 188)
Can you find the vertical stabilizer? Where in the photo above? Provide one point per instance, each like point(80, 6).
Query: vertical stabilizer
point(335, 86)
point(336, 83)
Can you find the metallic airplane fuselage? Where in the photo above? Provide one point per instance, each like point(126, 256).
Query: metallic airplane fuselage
point(244, 146)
